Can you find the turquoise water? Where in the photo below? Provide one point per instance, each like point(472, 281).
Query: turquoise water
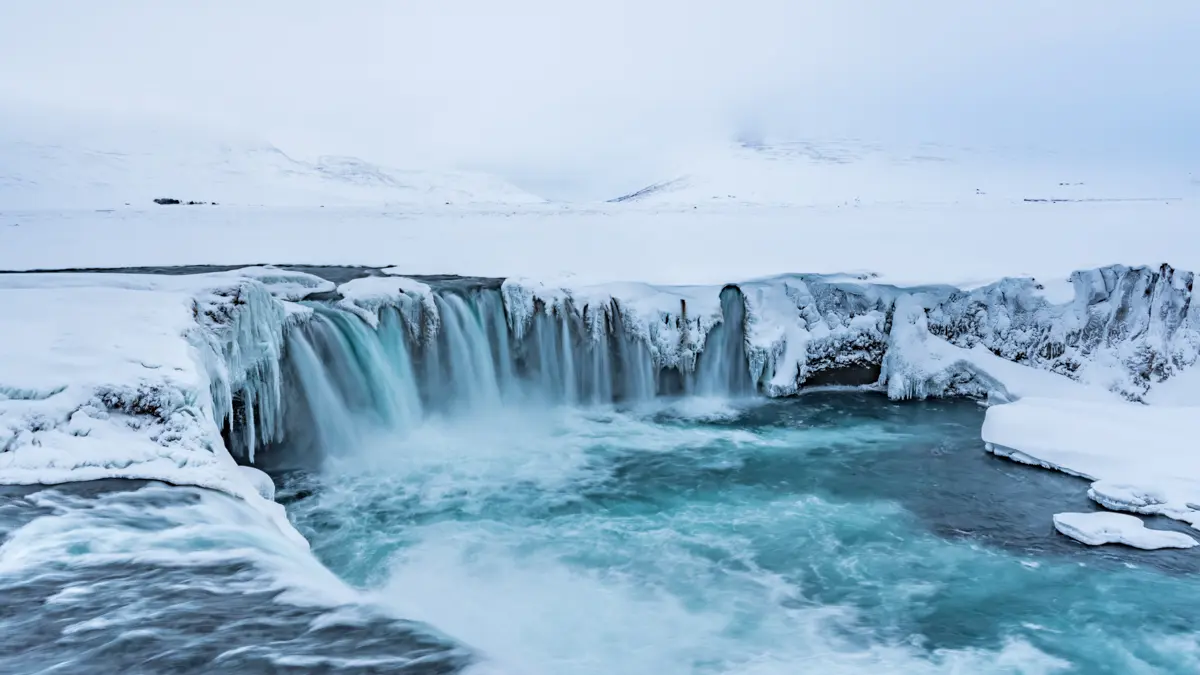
point(831, 533)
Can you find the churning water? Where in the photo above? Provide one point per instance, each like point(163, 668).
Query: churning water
point(547, 502)
point(835, 532)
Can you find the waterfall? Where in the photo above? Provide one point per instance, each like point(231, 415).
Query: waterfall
point(724, 368)
point(347, 380)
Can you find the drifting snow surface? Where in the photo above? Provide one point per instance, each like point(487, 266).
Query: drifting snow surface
point(1142, 458)
point(1099, 528)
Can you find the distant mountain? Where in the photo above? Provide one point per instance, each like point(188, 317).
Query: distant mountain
point(854, 173)
point(57, 163)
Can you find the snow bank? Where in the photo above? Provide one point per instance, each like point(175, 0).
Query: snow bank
point(366, 296)
point(132, 376)
point(1096, 529)
point(1142, 458)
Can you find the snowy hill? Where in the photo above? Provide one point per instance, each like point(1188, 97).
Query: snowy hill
point(104, 164)
point(853, 173)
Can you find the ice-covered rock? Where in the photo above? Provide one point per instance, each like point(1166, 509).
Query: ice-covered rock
point(260, 480)
point(1116, 328)
point(1099, 528)
point(413, 299)
point(672, 321)
point(1121, 328)
point(803, 329)
point(133, 376)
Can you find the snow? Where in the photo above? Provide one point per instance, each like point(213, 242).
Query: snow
point(48, 161)
point(1099, 528)
point(130, 376)
point(367, 295)
point(962, 245)
point(260, 480)
point(1181, 390)
point(76, 193)
point(1141, 458)
point(1123, 329)
point(854, 173)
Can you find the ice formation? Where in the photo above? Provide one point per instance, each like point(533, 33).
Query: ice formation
point(171, 377)
point(133, 376)
point(1102, 527)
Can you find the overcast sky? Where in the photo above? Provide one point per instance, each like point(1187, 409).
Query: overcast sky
point(545, 88)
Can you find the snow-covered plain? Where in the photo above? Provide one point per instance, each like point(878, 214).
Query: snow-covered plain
point(99, 163)
point(852, 172)
point(964, 245)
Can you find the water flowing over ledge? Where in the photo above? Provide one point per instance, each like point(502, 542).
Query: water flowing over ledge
point(188, 366)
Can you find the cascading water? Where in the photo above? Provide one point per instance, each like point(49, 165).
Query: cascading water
point(724, 368)
point(347, 380)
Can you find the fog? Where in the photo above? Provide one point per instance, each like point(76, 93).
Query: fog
point(575, 93)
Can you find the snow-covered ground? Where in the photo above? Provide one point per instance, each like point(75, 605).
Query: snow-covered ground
point(852, 172)
point(964, 245)
point(100, 163)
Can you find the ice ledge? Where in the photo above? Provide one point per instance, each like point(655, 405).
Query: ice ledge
point(1099, 528)
point(1141, 458)
point(132, 376)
